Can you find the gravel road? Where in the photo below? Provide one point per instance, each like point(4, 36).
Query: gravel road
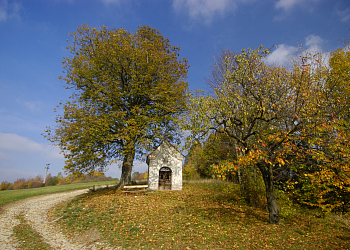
point(35, 211)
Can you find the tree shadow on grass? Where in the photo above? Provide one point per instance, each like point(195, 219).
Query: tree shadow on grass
point(224, 212)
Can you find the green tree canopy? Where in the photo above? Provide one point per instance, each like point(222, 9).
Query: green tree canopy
point(135, 176)
point(218, 147)
point(261, 108)
point(129, 88)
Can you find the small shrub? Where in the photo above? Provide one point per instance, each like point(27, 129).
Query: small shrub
point(253, 188)
point(288, 210)
point(4, 185)
point(38, 178)
point(20, 184)
point(141, 176)
point(38, 184)
point(52, 181)
point(35, 182)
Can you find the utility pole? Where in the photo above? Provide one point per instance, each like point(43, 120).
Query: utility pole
point(47, 167)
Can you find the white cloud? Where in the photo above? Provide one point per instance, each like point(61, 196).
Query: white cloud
point(280, 56)
point(9, 10)
point(283, 53)
point(20, 157)
point(204, 10)
point(313, 40)
point(24, 157)
point(288, 5)
point(33, 106)
point(4, 157)
point(314, 45)
point(3, 11)
point(52, 152)
point(17, 144)
point(344, 14)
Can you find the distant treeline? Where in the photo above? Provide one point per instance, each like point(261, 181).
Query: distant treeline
point(38, 181)
point(137, 176)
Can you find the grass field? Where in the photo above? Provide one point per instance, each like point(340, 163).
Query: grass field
point(7, 196)
point(201, 216)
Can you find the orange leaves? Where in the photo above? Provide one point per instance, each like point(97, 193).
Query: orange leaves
point(280, 161)
point(252, 158)
point(224, 168)
point(267, 161)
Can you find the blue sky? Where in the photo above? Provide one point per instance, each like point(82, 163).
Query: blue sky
point(34, 33)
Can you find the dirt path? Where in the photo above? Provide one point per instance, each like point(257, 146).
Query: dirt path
point(35, 210)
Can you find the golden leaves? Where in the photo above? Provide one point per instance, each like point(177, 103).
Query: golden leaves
point(129, 86)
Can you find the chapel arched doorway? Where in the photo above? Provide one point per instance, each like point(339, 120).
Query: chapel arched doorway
point(165, 178)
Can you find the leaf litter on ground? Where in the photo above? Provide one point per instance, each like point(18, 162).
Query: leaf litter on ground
point(198, 217)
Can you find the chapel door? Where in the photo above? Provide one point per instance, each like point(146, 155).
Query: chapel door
point(165, 178)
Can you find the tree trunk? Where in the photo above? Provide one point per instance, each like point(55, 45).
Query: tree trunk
point(270, 194)
point(239, 176)
point(126, 169)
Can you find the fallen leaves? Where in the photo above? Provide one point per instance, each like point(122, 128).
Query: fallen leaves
point(194, 218)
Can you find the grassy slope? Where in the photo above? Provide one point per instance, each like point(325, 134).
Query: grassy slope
point(7, 196)
point(27, 237)
point(199, 217)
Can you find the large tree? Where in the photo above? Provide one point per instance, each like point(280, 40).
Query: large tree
point(129, 88)
point(323, 167)
point(262, 108)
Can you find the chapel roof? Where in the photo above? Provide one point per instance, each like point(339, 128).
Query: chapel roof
point(166, 143)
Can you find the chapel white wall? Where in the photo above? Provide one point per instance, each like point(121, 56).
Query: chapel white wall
point(165, 156)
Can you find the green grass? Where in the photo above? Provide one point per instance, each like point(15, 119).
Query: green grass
point(7, 196)
point(201, 216)
point(27, 237)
